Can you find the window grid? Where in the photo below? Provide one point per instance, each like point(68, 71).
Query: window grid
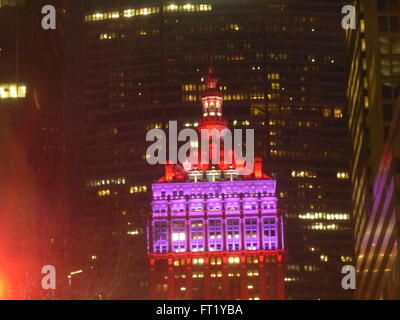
point(197, 235)
point(233, 234)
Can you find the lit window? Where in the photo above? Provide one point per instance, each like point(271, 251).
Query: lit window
point(251, 234)
point(233, 234)
point(342, 175)
point(104, 193)
point(197, 235)
point(324, 216)
point(303, 174)
point(215, 235)
point(233, 260)
point(327, 112)
point(172, 7)
point(133, 232)
point(160, 234)
point(324, 226)
point(346, 259)
point(234, 27)
point(270, 236)
point(178, 236)
point(338, 113)
point(12, 91)
point(137, 189)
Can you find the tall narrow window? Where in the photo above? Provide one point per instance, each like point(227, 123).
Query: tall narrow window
point(178, 236)
point(233, 234)
point(160, 234)
point(270, 236)
point(197, 235)
point(215, 235)
point(251, 234)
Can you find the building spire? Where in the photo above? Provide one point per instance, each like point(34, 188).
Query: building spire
point(211, 81)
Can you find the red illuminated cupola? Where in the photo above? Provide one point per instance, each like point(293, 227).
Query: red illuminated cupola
point(212, 105)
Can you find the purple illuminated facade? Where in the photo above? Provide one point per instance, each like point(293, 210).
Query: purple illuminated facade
point(231, 215)
point(215, 234)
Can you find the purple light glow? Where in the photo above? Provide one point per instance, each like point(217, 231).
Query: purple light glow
point(215, 216)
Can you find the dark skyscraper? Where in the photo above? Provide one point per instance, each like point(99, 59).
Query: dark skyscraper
point(34, 177)
point(373, 90)
point(282, 68)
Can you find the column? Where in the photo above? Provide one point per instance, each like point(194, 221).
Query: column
point(189, 282)
point(154, 294)
point(244, 281)
point(171, 282)
point(207, 283)
point(280, 278)
point(262, 281)
point(225, 282)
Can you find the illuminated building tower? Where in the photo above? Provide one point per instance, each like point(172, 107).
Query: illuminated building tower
point(215, 234)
